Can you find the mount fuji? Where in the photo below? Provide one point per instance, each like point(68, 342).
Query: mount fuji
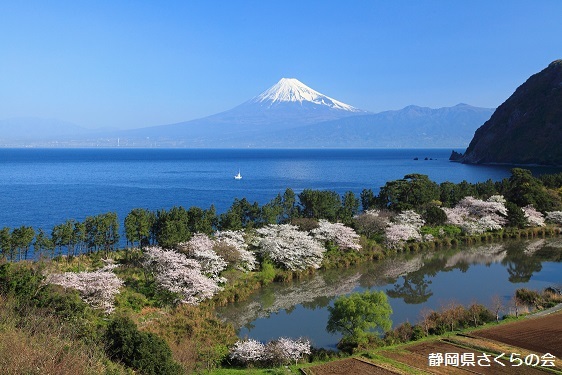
point(291, 114)
point(286, 105)
point(287, 115)
point(291, 90)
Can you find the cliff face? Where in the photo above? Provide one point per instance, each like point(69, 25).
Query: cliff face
point(527, 127)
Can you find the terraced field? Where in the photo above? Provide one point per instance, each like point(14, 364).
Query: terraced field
point(540, 335)
point(485, 351)
point(349, 366)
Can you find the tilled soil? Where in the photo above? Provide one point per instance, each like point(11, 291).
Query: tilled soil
point(349, 366)
point(541, 335)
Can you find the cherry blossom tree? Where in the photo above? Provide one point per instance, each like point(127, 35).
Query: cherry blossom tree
point(284, 350)
point(235, 239)
point(534, 217)
point(343, 236)
point(97, 288)
point(480, 225)
point(247, 351)
point(554, 217)
point(494, 207)
point(456, 215)
point(476, 216)
point(397, 234)
point(280, 351)
point(200, 248)
point(177, 273)
point(409, 217)
point(288, 247)
point(406, 227)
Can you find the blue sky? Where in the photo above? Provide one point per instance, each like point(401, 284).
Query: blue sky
point(127, 64)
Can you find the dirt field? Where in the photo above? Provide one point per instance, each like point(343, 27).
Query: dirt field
point(541, 335)
point(348, 366)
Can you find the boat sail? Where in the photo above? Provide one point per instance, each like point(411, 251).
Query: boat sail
point(238, 176)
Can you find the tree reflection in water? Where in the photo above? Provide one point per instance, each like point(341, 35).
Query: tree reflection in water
point(522, 261)
point(415, 285)
point(406, 277)
point(414, 289)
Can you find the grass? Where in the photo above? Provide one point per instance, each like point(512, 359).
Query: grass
point(39, 343)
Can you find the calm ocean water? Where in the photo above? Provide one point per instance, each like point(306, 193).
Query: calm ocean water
point(45, 187)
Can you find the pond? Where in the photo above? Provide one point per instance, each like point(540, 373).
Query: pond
point(413, 283)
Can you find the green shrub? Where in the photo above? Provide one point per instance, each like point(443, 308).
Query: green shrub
point(21, 280)
point(267, 272)
point(417, 333)
point(529, 297)
point(142, 351)
point(442, 231)
point(321, 354)
point(433, 215)
point(131, 300)
point(65, 303)
point(359, 316)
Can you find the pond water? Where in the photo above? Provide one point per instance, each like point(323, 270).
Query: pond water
point(412, 282)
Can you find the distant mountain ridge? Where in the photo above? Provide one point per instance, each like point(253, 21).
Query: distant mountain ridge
point(527, 127)
point(33, 129)
point(32, 126)
point(409, 127)
point(291, 114)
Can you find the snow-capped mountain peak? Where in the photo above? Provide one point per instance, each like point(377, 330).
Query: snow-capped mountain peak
point(293, 90)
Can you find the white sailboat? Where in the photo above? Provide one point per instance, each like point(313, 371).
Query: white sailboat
point(238, 176)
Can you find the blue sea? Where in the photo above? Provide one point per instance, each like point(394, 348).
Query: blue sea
point(45, 187)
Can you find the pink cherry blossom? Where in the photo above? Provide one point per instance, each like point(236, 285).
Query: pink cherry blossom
point(289, 247)
point(200, 248)
point(534, 217)
point(284, 350)
point(177, 273)
point(397, 234)
point(344, 237)
point(247, 351)
point(247, 261)
point(97, 288)
point(476, 216)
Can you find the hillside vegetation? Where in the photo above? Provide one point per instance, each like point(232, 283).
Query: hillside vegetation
point(527, 127)
point(149, 307)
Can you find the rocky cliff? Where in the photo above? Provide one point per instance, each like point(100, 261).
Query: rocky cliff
point(527, 127)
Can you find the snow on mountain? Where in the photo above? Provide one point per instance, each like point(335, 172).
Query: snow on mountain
point(293, 90)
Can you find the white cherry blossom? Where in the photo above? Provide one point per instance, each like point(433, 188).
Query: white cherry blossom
point(177, 273)
point(289, 247)
point(343, 236)
point(97, 288)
